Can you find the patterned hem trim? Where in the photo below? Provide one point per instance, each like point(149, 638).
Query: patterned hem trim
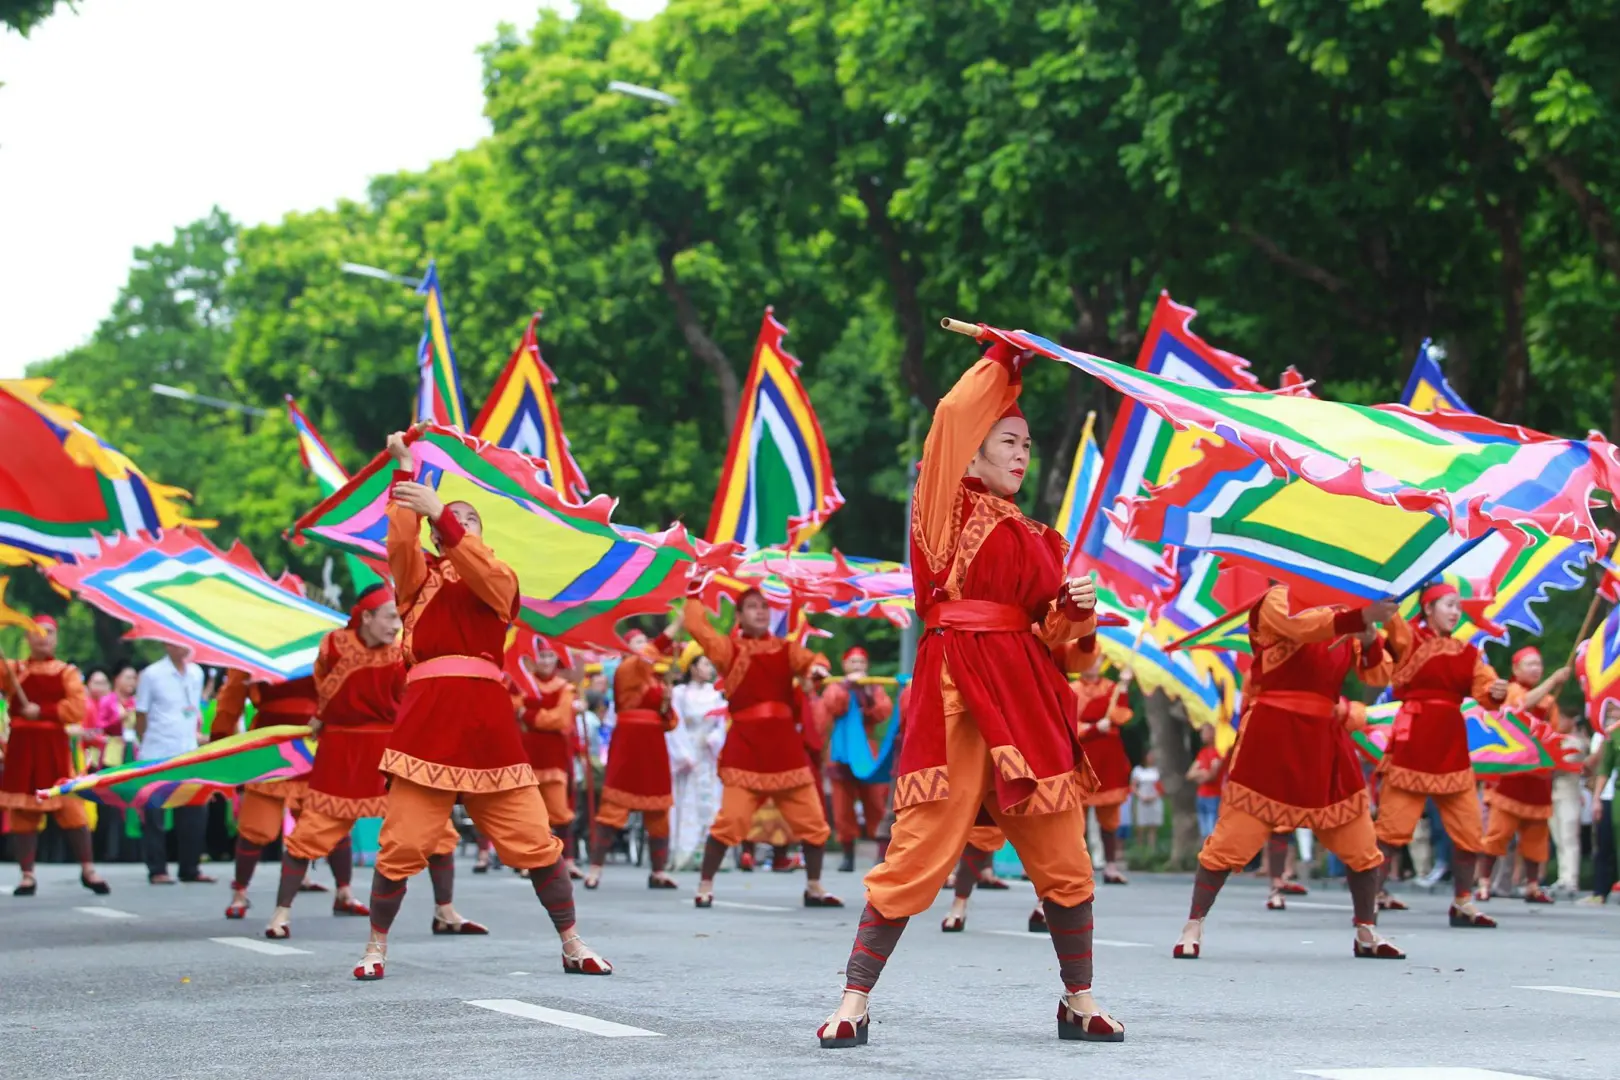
point(291, 792)
point(337, 806)
point(925, 785)
point(1111, 797)
point(1426, 783)
point(620, 797)
point(1283, 815)
point(17, 800)
point(455, 777)
point(550, 776)
point(1527, 811)
point(767, 781)
point(1055, 794)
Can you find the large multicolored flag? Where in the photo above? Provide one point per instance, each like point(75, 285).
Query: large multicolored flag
point(183, 590)
point(1499, 743)
point(329, 476)
point(1426, 388)
point(61, 487)
point(279, 752)
point(1084, 476)
point(521, 414)
point(1475, 473)
point(1144, 451)
point(1597, 664)
point(818, 582)
point(777, 487)
point(578, 573)
point(439, 399)
point(1194, 679)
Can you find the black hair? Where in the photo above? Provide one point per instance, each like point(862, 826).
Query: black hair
point(369, 589)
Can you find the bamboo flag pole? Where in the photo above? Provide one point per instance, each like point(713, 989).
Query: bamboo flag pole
point(14, 683)
point(957, 326)
point(1136, 647)
point(1586, 627)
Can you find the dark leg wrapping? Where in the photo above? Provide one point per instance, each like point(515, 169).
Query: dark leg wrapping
point(293, 870)
point(341, 860)
point(1391, 854)
point(602, 838)
point(968, 870)
point(1110, 839)
point(1206, 887)
point(658, 853)
point(78, 843)
point(714, 853)
point(1364, 895)
point(1071, 929)
point(1464, 873)
point(442, 872)
point(386, 896)
point(24, 845)
point(556, 893)
point(1276, 855)
point(875, 939)
point(247, 859)
point(814, 854)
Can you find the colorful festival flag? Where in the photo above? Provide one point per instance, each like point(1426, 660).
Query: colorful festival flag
point(1084, 476)
point(1475, 473)
point(279, 752)
point(329, 476)
point(10, 616)
point(1230, 631)
point(818, 582)
point(1499, 743)
point(521, 414)
point(1597, 663)
point(183, 590)
point(777, 487)
point(1426, 388)
point(578, 573)
point(61, 486)
point(439, 399)
point(1197, 679)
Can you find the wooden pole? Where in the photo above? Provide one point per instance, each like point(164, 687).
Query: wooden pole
point(1141, 632)
point(14, 682)
point(1586, 627)
point(957, 326)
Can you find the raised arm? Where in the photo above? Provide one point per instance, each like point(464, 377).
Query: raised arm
point(560, 717)
point(805, 661)
point(1487, 688)
point(835, 700)
point(491, 580)
point(1311, 625)
point(406, 562)
point(715, 645)
point(962, 421)
point(229, 705)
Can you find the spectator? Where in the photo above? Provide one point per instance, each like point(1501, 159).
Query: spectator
point(1148, 814)
point(112, 709)
point(1606, 756)
point(1567, 810)
point(168, 711)
point(1206, 773)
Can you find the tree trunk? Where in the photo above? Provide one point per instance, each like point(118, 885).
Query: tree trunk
point(903, 292)
point(1167, 722)
point(697, 338)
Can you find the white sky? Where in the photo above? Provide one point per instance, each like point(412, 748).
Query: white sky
point(127, 118)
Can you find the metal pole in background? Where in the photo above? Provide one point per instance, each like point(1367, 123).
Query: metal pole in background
point(908, 634)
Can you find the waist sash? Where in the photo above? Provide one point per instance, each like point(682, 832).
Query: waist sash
point(765, 710)
point(980, 616)
point(1316, 706)
point(458, 667)
point(640, 716)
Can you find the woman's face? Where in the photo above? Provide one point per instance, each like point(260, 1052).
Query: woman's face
point(1442, 614)
point(1003, 458)
point(125, 683)
point(703, 670)
point(1206, 735)
point(98, 684)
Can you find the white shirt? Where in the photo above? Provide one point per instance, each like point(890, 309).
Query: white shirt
point(1145, 778)
point(1607, 794)
point(172, 702)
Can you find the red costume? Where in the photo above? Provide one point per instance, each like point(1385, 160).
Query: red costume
point(545, 715)
point(1102, 699)
point(1522, 803)
point(638, 775)
point(876, 708)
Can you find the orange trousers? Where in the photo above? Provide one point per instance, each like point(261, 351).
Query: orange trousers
point(872, 798)
point(70, 815)
point(554, 793)
point(1399, 810)
point(928, 837)
point(986, 838)
point(800, 808)
point(1238, 838)
point(259, 817)
point(1535, 841)
point(417, 825)
point(315, 834)
point(1107, 817)
point(656, 822)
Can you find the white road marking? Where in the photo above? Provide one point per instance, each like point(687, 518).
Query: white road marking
point(605, 1028)
point(107, 913)
point(517, 972)
point(749, 907)
point(1311, 905)
point(1579, 990)
point(1111, 942)
point(268, 948)
point(1415, 1072)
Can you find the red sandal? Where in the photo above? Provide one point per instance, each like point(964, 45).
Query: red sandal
point(587, 964)
point(465, 926)
point(842, 1033)
point(370, 967)
point(351, 906)
point(1075, 1026)
point(238, 909)
point(953, 924)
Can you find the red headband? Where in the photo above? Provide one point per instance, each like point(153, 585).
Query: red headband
point(1011, 411)
point(42, 621)
point(1526, 653)
point(373, 600)
point(1437, 592)
point(854, 652)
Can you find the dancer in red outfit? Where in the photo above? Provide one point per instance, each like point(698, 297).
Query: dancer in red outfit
point(764, 756)
point(991, 727)
point(638, 774)
point(359, 680)
point(546, 718)
point(1428, 749)
point(1104, 709)
point(43, 697)
point(1293, 764)
point(454, 739)
point(1522, 804)
point(876, 709)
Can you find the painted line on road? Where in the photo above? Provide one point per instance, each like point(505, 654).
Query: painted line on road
point(578, 1021)
point(1416, 1072)
point(1577, 990)
point(266, 947)
point(1313, 905)
point(107, 913)
point(749, 907)
point(1111, 942)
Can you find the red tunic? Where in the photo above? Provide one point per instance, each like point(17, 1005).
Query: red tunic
point(360, 689)
point(545, 713)
point(876, 707)
point(38, 754)
point(454, 732)
point(638, 774)
point(1428, 749)
point(292, 702)
point(765, 749)
point(987, 582)
point(1527, 795)
point(1293, 764)
point(1105, 750)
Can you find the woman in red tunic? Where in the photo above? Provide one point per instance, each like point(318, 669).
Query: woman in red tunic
point(545, 715)
point(1427, 756)
point(454, 740)
point(638, 775)
point(991, 729)
point(1522, 804)
point(39, 755)
point(1294, 765)
point(360, 680)
point(1103, 711)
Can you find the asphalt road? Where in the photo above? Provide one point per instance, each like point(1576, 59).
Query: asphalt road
point(133, 985)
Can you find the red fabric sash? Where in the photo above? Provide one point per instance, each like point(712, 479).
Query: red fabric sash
point(765, 710)
point(356, 729)
point(980, 616)
point(640, 716)
point(461, 667)
point(18, 723)
point(1412, 705)
point(1316, 706)
point(296, 708)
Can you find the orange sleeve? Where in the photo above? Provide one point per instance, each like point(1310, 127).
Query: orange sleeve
point(835, 700)
point(75, 703)
point(324, 662)
point(1074, 657)
point(491, 580)
point(1311, 625)
point(1375, 666)
point(882, 706)
point(560, 717)
point(715, 645)
point(229, 705)
point(1398, 635)
point(1121, 713)
point(1484, 676)
point(406, 562)
point(801, 659)
point(962, 421)
point(629, 682)
point(1059, 629)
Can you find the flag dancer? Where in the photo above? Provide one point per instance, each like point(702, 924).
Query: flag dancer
point(359, 681)
point(991, 729)
point(1522, 804)
point(43, 697)
point(545, 714)
point(1428, 748)
point(875, 709)
point(454, 739)
point(1104, 709)
point(764, 754)
point(1294, 764)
